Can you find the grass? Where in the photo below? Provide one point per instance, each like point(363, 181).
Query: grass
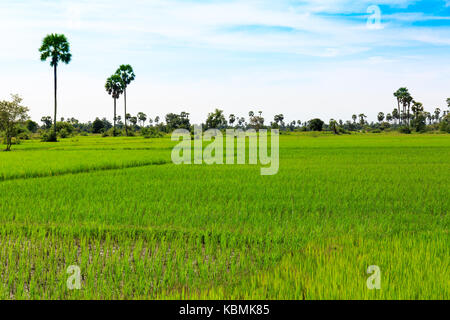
point(139, 230)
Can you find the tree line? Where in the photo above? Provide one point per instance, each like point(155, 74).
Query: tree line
point(15, 123)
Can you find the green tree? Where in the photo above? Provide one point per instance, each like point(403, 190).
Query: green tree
point(445, 123)
point(57, 48)
point(354, 117)
point(12, 113)
point(401, 94)
point(389, 117)
point(232, 119)
point(142, 118)
point(437, 115)
point(316, 124)
point(115, 87)
point(395, 115)
point(279, 118)
point(97, 126)
point(407, 100)
point(47, 121)
point(126, 72)
point(362, 119)
point(216, 120)
point(380, 117)
point(31, 126)
point(178, 121)
point(334, 126)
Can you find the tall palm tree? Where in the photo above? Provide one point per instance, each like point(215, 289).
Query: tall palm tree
point(437, 114)
point(407, 100)
point(395, 116)
point(401, 95)
point(115, 87)
point(126, 72)
point(362, 119)
point(57, 48)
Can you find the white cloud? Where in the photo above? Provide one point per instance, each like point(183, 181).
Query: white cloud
point(164, 37)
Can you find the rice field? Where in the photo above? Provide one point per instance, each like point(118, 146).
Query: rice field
point(140, 227)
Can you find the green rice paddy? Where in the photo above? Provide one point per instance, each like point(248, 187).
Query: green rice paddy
point(140, 227)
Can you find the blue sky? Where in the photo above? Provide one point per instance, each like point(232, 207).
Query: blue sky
point(300, 58)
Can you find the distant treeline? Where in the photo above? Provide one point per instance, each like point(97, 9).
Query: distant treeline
point(415, 120)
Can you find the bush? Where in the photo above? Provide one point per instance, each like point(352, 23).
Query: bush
point(151, 132)
point(65, 126)
point(405, 130)
point(445, 124)
point(376, 131)
point(23, 136)
point(63, 133)
point(48, 136)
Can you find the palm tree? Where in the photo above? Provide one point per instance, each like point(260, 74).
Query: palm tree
point(401, 94)
point(57, 48)
point(407, 100)
point(142, 117)
point(127, 74)
point(389, 117)
point(437, 114)
point(428, 116)
point(115, 87)
point(380, 117)
point(395, 116)
point(354, 117)
point(232, 119)
point(362, 119)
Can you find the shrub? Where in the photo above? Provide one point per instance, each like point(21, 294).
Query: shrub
point(24, 136)
point(445, 124)
point(48, 136)
point(65, 126)
point(151, 132)
point(63, 133)
point(405, 130)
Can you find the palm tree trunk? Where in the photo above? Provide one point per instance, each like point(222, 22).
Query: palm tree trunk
point(54, 119)
point(409, 117)
point(125, 97)
point(399, 113)
point(114, 130)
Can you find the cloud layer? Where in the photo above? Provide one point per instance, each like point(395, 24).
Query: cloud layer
point(196, 55)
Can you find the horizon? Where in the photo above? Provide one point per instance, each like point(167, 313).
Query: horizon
point(304, 59)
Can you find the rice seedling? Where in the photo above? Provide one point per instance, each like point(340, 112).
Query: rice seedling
point(138, 230)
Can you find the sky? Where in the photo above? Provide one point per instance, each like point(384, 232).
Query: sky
point(302, 58)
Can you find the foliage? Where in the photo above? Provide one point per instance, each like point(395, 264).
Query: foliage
point(175, 121)
point(57, 48)
point(98, 126)
point(151, 132)
point(445, 123)
point(12, 113)
point(405, 130)
point(216, 120)
point(31, 126)
point(316, 124)
point(48, 136)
